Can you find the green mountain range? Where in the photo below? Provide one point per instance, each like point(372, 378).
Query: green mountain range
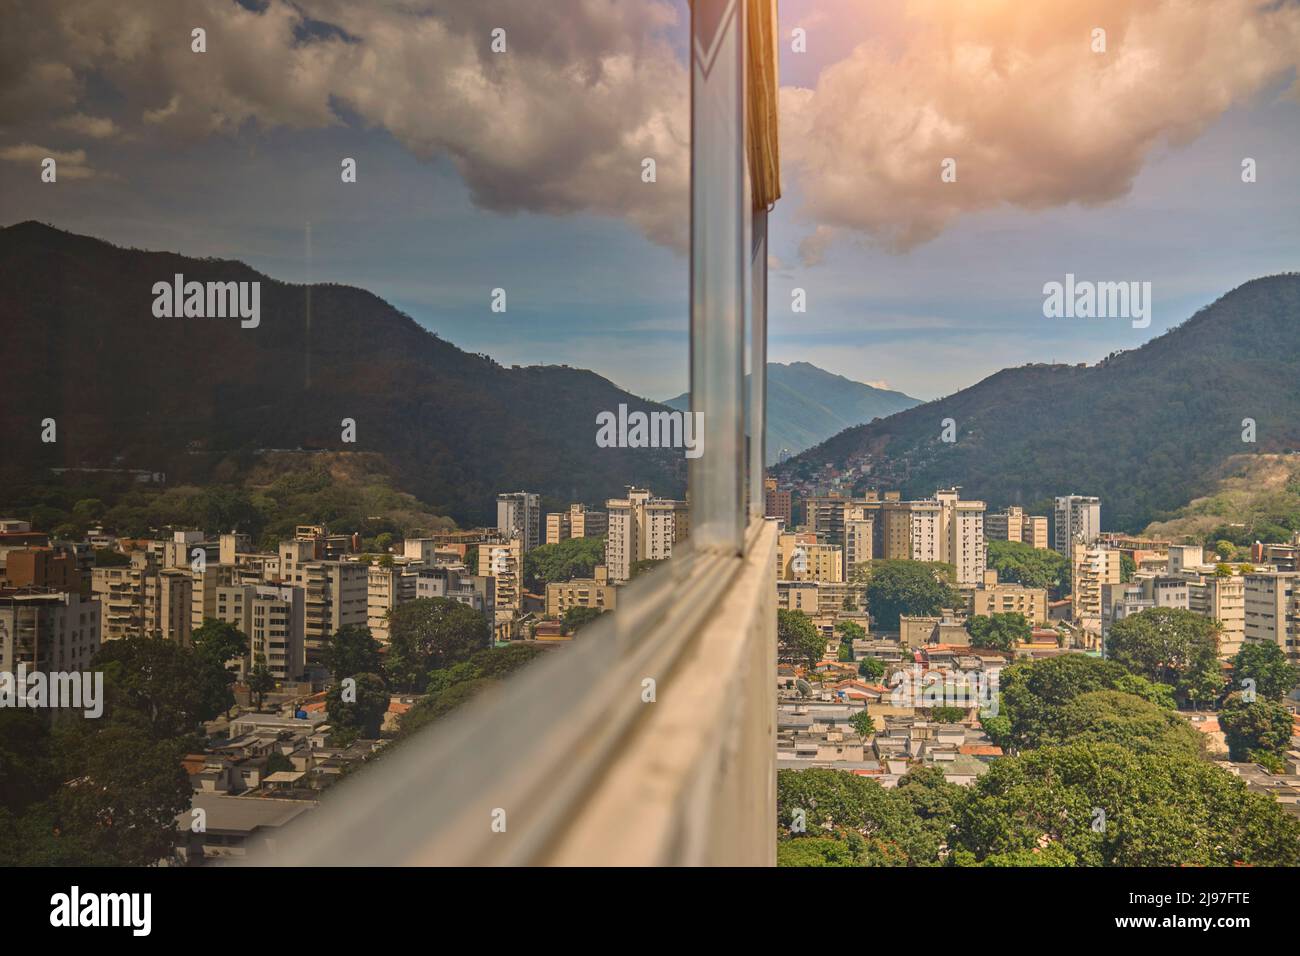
point(1144, 429)
point(806, 405)
point(202, 399)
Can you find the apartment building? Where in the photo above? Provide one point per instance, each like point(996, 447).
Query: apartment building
point(335, 592)
point(994, 597)
point(274, 619)
point(1271, 611)
point(595, 591)
point(777, 503)
point(1078, 518)
point(455, 582)
point(802, 557)
point(142, 598)
point(1224, 600)
point(519, 515)
point(387, 587)
point(1014, 525)
point(47, 630)
point(42, 568)
point(503, 561)
point(859, 537)
point(1092, 568)
point(943, 528)
point(577, 522)
point(642, 528)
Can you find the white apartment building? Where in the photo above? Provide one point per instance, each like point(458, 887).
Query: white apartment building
point(143, 599)
point(943, 528)
point(1271, 611)
point(273, 617)
point(642, 528)
point(335, 592)
point(385, 589)
point(1078, 518)
point(503, 561)
point(47, 631)
point(519, 515)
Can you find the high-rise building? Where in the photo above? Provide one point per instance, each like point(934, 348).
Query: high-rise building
point(387, 587)
point(800, 556)
point(1224, 600)
point(503, 561)
point(142, 598)
point(642, 528)
point(519, 515)
point(47, 630)
point(335, 592)
point(274, 619)
point(943, 528)
point(1078, 518)
point(1272, 610)
point(1014, 525)
point(577, 522)
point(1091, 568)
point(776, 502)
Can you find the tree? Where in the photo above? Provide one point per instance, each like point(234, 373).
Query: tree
point(1172, 646)
point(1107, 805)
point(122, 792)
point(639, 567)
point(260, 680)
point(1263, 726)
point(363, 716)
point(1127, 568)
point(871, 668)
point(907, 587)
point(576, 618)
point(863, 724)
point(1021, 563)
point(948, 715)
point(850, 631)
point(429, 633)
point(1003, 632)
point(845, 653)
point(564, 561)
point(1267, 666)
point(351, 650)
point(171, 689)
point(1112, 716)
point(219, 642)
point(798, 641)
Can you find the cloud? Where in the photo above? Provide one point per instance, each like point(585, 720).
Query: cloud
point(1014, 93)
point(95, 127)
point(557, 124)
point(70, 164)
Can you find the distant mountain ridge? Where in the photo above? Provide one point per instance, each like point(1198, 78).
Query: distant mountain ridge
point(806, 405)
point(197, 397)
point(1145, 429)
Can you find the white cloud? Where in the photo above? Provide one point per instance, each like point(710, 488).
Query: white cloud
point(1014, 93)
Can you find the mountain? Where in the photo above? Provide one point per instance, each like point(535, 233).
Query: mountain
point(199, 397)
point(1143, 429)
point(807, 405)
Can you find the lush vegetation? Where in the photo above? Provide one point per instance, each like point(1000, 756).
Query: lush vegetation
point(1019, 563)
point(569, 559)
point(798, 641)
point(906, 588)
point(59, 781)
point(1002, 632)
point(1101, 771)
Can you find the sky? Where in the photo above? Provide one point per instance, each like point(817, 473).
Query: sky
point(521, 169)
